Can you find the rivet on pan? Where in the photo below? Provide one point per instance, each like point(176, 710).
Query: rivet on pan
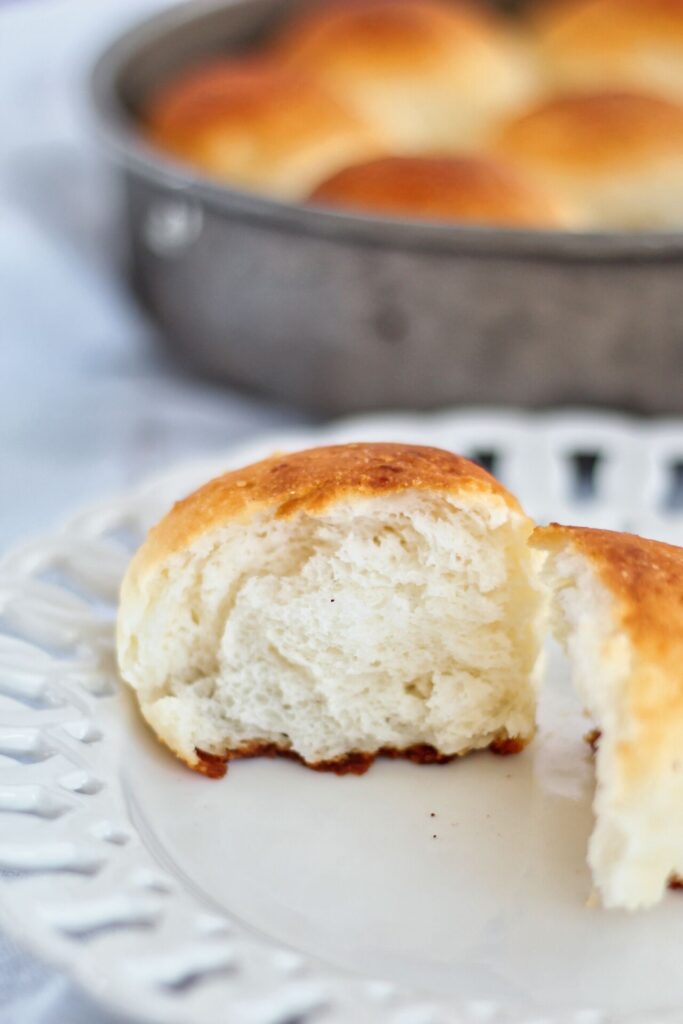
point(171, 226)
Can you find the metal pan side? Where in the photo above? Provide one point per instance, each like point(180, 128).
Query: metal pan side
point(342, 312)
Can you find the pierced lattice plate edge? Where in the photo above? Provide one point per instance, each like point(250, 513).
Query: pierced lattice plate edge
point(91, 893)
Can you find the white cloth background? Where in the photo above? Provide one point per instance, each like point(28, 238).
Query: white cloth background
point(88, 405)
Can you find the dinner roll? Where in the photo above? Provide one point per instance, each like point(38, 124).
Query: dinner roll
point(334, 604)
point(618, 606)
point(258, 126)
point(623, 43)
point(472, 190)
point(618, 156)
point(430, 73)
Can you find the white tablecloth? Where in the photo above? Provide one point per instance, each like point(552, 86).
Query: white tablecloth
point(87, 403)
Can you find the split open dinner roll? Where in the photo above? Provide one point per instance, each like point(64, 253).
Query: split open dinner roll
point(334, 604)
point(341, 603)
point(430, 73)
point(618, 156)
point(585, 44)
point(468, 190)
point(258, 126)
point(618, 603)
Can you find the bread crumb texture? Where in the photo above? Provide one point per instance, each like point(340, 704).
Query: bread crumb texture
point(619, 612)
point(335, 605)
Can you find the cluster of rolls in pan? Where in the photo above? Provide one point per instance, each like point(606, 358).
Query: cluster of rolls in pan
point(567, 116)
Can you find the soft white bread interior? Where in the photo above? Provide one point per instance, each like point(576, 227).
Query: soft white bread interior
point(333, 604)
point(431, 74)
point(618, 610)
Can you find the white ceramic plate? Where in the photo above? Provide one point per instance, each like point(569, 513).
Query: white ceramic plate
point(414, 895)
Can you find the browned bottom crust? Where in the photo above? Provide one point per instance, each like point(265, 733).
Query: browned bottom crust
point(355, 763)
point(592, 738)
point(675, 882)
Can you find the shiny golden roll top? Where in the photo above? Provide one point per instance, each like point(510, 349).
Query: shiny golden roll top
point(472, 190)
point(431, 73)
point(587, 44)
point(259, 126)
point(616, 155)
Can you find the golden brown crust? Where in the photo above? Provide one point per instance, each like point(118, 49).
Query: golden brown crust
point(240, 90)
point(357, 762)
point(381, 36)
point(310, 481)
point(644, 576)
point(594, 131)
point(221, 100)
point(601, 27)
point(645, 580)
point(592, 738)
point(467, 189)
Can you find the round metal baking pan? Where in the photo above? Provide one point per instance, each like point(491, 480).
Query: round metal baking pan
point(341, 311)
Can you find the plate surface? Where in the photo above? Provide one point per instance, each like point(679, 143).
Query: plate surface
point(415, 895)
